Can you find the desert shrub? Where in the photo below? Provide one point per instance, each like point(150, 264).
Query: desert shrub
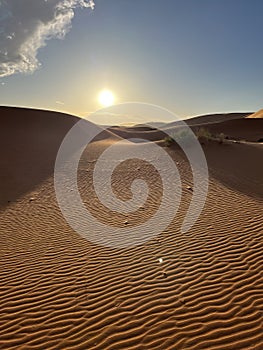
point(168, 140)
point(221, 137)
point(203, 133)
point(177, 135)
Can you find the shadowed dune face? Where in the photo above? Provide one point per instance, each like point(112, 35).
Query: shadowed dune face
point(240, 129)
point(237, 166)
point(199, 290)
point(29, 142)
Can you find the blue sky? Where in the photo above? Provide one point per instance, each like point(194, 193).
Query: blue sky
point(192, 57)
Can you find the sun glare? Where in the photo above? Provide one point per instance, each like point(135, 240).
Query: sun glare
point(106, 98)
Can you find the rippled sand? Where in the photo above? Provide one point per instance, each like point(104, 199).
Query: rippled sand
point(198, 290)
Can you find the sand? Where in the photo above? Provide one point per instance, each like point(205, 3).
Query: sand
point(60, 291)
point(258, 114)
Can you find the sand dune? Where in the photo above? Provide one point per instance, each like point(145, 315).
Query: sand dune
point(240, 129)
point(258, 114)
point(60, 291)
point(216, 118)
point(29, 142)
point(237, 126)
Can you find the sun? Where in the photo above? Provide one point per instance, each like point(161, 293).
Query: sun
point(106, 98)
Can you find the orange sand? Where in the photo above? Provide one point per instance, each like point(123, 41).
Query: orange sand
point(60, 291)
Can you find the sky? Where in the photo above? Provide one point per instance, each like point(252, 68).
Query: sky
point(191, 57)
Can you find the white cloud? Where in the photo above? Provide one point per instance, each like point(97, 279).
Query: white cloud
point(60, 103)
point(26, 25)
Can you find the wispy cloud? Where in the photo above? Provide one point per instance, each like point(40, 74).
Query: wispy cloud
point(26, 25)
point(60, 103)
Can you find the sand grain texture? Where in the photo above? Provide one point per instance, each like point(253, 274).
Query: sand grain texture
point(60, 291)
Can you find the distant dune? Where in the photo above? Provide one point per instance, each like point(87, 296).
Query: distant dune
point(258, 114)
point(239, 129)
point(199, 290)
point(236, 126)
